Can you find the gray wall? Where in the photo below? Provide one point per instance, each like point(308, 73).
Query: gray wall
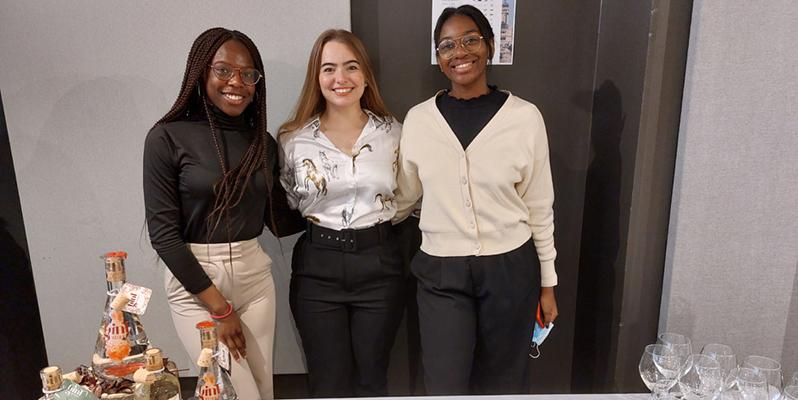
point(83, 81)
point(733, 247)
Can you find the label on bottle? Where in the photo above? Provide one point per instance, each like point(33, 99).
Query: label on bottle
point(139, 298)
point(209, 389)
point(116, 344)
point(223, 357)
point(74, 391)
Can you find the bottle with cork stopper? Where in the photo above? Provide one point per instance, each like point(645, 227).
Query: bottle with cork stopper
point(153, 382)
point(213, 382)
point(121, 339)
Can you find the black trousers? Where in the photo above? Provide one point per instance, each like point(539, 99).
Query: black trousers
point(476, 316)
point(347, 302)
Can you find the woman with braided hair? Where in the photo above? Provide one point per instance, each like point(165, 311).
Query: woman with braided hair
point(210, 185)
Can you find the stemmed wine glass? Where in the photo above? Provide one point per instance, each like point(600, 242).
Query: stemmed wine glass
point(659, 368)
point(703, 379)
point(770, 369)
point(790, 392)
point(724, 355)
point(751, 384)
point(682, 345)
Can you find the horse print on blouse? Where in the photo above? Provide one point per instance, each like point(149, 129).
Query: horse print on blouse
point(346, 217)
point(395, 164)
point(314, 176)
point(357, 153)
point(315, 126)
point(290, 176)
point(330, 168)
point(385, 201)
point(383, 123)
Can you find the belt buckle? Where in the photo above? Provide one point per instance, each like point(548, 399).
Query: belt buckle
point(348, 239)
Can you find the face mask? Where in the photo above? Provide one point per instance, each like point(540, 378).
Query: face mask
point(538, 336)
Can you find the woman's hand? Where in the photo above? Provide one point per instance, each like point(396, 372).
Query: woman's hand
point(548, 304)
point(228, 330)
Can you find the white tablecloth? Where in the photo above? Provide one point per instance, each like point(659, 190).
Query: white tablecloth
point(616, 396)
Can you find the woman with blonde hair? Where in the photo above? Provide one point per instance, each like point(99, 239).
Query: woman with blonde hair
point(338, 167)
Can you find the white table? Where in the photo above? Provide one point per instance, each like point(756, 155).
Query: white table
point(614, 396)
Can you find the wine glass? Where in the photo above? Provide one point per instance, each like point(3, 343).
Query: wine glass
point(790, 392)
point(770, 369)
point(703, 379)
point(659, 368)
point(751, 384)
point(724, 355)
point(682, 345)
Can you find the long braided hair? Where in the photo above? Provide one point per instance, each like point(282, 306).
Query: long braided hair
point(261, 153)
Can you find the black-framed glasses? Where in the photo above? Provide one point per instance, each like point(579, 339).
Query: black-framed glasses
point(471, 43)
point(249, 76)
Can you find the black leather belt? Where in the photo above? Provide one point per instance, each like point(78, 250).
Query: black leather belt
point(347, 240)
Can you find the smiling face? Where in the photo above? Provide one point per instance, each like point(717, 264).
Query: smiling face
point(232, 96)
point(467, 71)
point(341, 78)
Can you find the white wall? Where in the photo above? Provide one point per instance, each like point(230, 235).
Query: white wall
point(733, 237)
point(83, 81)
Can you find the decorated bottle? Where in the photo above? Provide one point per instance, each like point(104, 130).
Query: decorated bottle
point(153, 382)
point(55, 387)
point(121, 339)
point(213, 382)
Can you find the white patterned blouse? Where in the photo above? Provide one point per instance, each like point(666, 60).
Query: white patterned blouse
point(333, 189)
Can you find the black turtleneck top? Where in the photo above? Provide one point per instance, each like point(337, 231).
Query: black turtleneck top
point(181, 166)
point(468, 117)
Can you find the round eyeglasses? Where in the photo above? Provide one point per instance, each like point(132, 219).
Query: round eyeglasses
point(249, 76)
point(448, 47)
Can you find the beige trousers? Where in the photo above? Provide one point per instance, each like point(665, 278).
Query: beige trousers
point(247, 283)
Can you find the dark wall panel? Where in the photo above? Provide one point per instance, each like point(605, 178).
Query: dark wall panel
point(620, 69)
point(22, 351)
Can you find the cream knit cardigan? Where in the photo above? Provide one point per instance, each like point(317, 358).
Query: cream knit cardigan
point(486, 200)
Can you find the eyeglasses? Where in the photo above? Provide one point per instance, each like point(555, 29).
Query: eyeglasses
point(249, 76)
point(470, 43)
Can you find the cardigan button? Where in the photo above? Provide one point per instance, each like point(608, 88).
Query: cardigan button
point(468, 204)
point(464, 180)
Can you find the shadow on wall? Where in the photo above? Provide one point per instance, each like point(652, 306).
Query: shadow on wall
point(79, 168)
point(593, 335)
point(87, 151)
